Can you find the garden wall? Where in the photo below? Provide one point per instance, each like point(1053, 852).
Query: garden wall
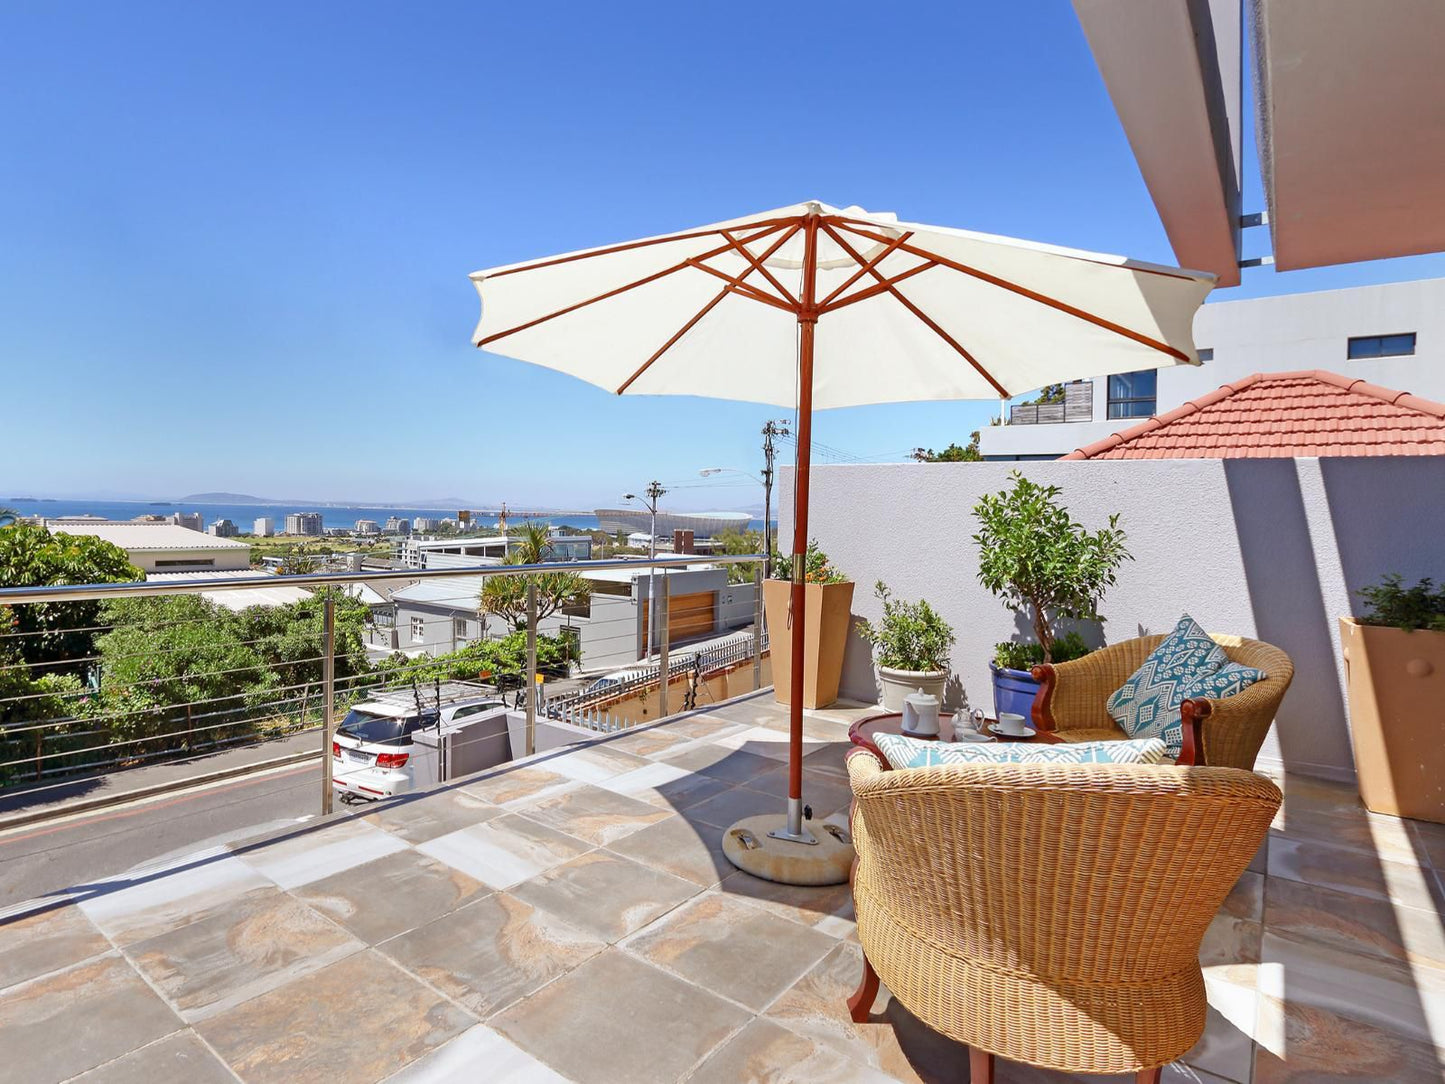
point(1267, 548)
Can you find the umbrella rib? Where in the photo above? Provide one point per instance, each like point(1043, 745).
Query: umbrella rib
point(626, 246)
point(621, 289)
point(874, 262)
point(922, 316)
point(879, 287)
point(1032, 295)
point(758, 266)
point(746, 289)
point(734, 284)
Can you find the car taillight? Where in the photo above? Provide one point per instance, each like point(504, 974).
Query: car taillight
point(391, 760)
point(336, 749)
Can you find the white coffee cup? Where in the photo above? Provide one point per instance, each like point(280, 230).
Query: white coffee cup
point(1011, 723)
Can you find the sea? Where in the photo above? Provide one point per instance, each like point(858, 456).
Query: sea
point(243, 515)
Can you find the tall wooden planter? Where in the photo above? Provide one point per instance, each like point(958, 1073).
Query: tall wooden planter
point(829, 607)
point(1396, 682)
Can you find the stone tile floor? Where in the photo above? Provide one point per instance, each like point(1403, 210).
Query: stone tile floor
point(573, 918)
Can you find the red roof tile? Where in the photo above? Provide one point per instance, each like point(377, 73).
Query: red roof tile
point(1284, 415)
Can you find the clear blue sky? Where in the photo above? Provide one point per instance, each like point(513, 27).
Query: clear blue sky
point(234, 239)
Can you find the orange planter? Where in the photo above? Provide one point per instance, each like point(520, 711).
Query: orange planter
point(828, 609)
point(1396, 685)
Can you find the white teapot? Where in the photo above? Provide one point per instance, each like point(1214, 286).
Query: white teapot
point(920, 715)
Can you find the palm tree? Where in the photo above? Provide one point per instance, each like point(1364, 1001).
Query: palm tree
point(506, 596)
point(8, 516)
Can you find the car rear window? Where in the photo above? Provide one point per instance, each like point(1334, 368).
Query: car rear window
point(363, 726)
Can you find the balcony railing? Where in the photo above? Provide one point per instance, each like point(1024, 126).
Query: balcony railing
point(129, 683)
point(1078, 406)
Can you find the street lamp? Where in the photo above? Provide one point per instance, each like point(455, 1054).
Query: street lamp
point(654, 493)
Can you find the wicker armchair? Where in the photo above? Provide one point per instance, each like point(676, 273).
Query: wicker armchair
point(1221, 733)
point(1049, 914)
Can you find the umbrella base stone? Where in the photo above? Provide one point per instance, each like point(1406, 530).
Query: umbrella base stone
point(748, 846)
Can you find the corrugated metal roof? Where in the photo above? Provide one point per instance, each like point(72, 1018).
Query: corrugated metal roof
point(150, 536)
point(459, 591)
point(242, 597)
point(1284, 415)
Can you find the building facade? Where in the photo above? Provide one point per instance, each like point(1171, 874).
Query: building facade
point(307, 524)
point(1392, 335)
point(264, 527)
point(162, 547)
point(191, 521)
point(223, 528)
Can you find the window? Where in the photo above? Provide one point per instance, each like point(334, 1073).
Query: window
point(418, 630)
point(459, 628)
point(1380, 346)
point(1133, 395)
point(188, 562)
point(1206, 353)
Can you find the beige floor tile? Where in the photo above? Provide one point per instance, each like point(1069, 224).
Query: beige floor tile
point(391, 895)
point(648, 741)
point(1389, 837)
point(309, 854)
point(766, 1051)
point(687, 849)
point(504, 850)
point(1321, 1047)
point(666, 786)
point(605, 894)
point(476, 1050)
point(132, 907)
point(731, 948)
point(1224, 1050)
point(1352, 923)
point(66, 1022)
point(1429, 841)
point(1347, 870)
point(181, 1057)
point(46, 941)
point(419, 818)
point(511, 787)
point(208, 966)
point(492, 952)
point(725, 809)
point(595, 815)
point(361, 1019)
point(768, 743)
point(575, 1026)
point(829, 907)
point(591, 763)
point(710, 725)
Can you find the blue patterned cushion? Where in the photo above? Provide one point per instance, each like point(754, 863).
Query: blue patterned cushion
point(1147, 705)
point(904, 752)
point(1229, 679)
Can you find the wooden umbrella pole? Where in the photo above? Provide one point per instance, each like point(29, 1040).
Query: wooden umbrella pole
point(807, 324)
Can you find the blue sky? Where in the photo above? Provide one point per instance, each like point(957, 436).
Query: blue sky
point(234, 240)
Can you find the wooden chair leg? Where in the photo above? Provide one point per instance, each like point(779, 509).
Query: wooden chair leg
point(1149, 1076)
point(980, 1066)
point(860, 1005)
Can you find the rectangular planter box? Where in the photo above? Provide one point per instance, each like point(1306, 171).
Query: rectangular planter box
point(1396, 682)
point(828, 610)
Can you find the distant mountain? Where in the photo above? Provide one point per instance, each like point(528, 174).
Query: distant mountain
point(222, 498)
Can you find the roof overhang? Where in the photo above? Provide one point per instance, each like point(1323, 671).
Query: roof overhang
point(1172, 69)
point(1350, 102)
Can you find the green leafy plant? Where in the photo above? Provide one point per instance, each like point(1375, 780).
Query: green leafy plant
point(1034, 556)
point(816, 567)
point(1409, 608)
point(911, 635)
point(1013, 655)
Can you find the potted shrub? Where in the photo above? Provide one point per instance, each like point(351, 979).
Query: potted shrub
point(1395, 677)
point(1037, 559)
point(912, 644)
point(828, 596)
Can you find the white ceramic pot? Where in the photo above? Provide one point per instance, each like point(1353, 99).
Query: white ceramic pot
point(896, 684)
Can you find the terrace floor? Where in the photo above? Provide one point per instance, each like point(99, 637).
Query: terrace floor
point(572, 918)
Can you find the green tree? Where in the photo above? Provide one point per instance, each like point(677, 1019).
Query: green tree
point(8, 516)
point(1034, 556)
point(954, 453)
point(733, 541)
point(506, 596)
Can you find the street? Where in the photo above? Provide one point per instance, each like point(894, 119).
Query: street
point(51, 856)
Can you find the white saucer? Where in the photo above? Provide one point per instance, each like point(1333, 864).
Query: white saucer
point(1026, 732)
point(975, 736)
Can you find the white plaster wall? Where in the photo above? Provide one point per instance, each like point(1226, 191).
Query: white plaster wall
point(1271, 549)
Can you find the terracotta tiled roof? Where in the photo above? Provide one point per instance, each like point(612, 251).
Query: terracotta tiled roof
point(1284, 415)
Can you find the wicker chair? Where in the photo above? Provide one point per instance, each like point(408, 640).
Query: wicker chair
point(1222, 733)
point(1049, 914)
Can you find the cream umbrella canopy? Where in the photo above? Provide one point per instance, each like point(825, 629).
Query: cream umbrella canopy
point(813, 306)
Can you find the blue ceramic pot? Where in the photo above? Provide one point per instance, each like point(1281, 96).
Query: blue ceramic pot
point(1013, 691)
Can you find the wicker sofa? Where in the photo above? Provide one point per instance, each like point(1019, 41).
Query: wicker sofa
point(1049, 914)
point(1221, 733)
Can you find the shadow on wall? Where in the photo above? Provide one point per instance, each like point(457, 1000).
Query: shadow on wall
point(1281, 570)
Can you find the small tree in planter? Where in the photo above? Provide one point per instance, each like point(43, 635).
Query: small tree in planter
point(1395, 677)
point(1034, 556)
point(912, 645)
point(828, 596)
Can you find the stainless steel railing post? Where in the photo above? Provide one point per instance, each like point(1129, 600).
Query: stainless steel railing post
point(757, 627)
point(328, 696)
point(663, 638)
point(531, 668)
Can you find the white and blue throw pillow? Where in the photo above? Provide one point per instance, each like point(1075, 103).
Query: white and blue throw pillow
point(902, 751)
point(1229, 679)
point(1147, 705)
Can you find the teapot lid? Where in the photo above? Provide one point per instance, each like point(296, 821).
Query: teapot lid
point(921, 699)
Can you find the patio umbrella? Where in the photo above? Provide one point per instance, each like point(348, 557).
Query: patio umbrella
point(812, 306)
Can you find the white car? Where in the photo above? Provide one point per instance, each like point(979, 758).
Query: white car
point(373, 754)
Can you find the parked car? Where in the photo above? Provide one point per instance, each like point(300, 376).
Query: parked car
point(374, 754)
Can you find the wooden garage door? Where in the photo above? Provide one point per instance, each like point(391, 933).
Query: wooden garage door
point(687, 615)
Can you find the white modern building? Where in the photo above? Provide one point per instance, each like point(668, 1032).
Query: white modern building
point(422, 524)
point(192, 521)
point(367, 526)
point(223, 528)
point(469, 552)
point(307, 524)
point(1392, 335)
point(163, 547)
point(264, 527)
point(397, 525)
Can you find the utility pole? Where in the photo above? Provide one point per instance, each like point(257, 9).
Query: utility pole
point(771, 429)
